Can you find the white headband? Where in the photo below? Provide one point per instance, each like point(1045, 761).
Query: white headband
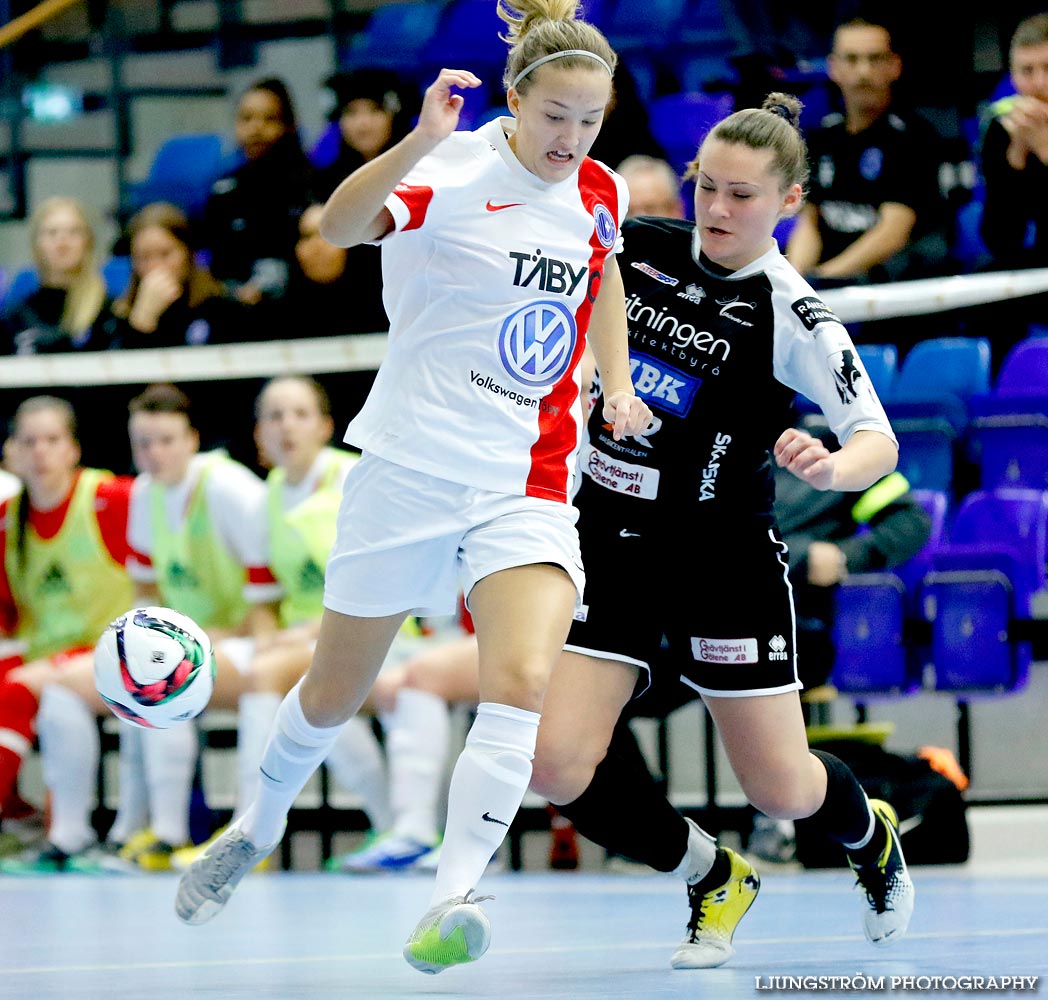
point(557, 55)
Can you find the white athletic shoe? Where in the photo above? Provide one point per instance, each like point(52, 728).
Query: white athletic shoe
point(451, 933)
point(886, 882)
point(207, 884)
point(715, 913)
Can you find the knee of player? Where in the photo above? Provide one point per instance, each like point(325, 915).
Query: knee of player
point(782, 796)
point(560, 772)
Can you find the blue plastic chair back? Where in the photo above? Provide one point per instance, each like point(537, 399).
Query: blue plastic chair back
point(24, 282)
point(645, 24)
point(871, 658)
point(467, 35)
point(680, 122)
point(182, 172)
point(881, 362)
point(981, 581)
point(944, 367)
point(395, 36)
point(1024, 371)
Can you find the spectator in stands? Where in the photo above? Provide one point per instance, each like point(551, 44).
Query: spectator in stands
point(171, 300)
point(1014, 155)
point(1014, 160)
point(251, 215)
point(655, 188)
point(374, 110)
point(324, 278)
point(63, 542)
point(874, 211)
point(62, 314)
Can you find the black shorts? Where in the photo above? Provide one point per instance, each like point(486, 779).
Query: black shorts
point(717, 611)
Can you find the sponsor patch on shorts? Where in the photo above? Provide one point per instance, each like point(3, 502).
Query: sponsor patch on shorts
point(582, 612)
point(724, 650)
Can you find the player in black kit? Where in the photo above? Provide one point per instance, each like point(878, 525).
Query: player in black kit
point(723, 333)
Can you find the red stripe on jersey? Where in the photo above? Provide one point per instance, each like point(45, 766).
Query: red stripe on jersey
point(417, 198)
point(558, 430)
point(112, 506)
point(260, 575)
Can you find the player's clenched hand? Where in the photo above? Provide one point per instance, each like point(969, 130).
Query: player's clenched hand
point(806, 457)
point(626, 413)
point(440, 107)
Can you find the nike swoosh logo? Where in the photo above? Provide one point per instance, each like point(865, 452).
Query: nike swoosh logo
point(491, 819)
point(271, 778)
point(628, 534)
point(491, 207)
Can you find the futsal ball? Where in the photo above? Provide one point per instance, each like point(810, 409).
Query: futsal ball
point(154, 667)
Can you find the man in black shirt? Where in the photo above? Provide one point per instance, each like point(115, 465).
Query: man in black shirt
point(874, 211)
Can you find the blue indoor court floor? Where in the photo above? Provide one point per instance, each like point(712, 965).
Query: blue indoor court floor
point(294, 936)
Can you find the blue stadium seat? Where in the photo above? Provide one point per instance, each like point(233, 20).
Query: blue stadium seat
point(929, 405)
point(22, 284)
point(982, 581)
point(873, 658)
point(394, 36)
point(944, 369)
point(182, 172)
point(1009, 426)
point(868, 634)
point(680, 122)
point(466, 36)
point(702, 27)
point(881, 362)
point(647, 25)
point(117, 273)
point(710, 72)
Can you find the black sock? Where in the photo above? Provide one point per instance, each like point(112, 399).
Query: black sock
point(624, 811)
point(844, 814)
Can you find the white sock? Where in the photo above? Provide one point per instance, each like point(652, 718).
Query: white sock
point(357, 763)
point(294, 751)
point(170, 764)
point(256, 711)
point(418, 734)
point(132, 811)
point(490, 778)
point(699, 857)
point(69, 750)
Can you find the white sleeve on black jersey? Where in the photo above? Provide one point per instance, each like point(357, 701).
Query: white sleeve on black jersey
point(814, 355)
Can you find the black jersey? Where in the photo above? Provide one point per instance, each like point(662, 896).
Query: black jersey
point(719, 357)
point(854, 174)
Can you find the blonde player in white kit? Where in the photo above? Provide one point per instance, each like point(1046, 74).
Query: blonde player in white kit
point(498, 256)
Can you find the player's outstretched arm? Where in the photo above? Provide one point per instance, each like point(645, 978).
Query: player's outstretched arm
point(355, 212)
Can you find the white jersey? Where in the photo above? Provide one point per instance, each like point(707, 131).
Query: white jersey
point(236, 503)
point(489, 280)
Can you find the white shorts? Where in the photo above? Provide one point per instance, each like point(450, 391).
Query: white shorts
point(411, 542)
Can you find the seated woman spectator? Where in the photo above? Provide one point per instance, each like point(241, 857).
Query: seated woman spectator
point(171, 300)
point(325, 279)
point(251, 214)
point(374, 111)
point(60, 315)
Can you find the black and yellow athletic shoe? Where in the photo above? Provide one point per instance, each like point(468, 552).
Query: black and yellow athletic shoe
point(886, 882)
point(715, 913)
